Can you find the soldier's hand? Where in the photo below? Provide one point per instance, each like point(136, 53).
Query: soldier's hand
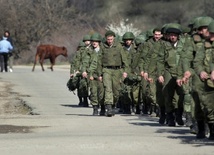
point(91, 78)
point(187, 74)
point(203, 75)
point(146, 76)
point(84, 75)
point(142, 73)
point(71, 75)
point(100, 78)
point(161, 79)
point(185, 80)
point(212, 76)
point(125, 75)
point(179, 82)
point(150, 80)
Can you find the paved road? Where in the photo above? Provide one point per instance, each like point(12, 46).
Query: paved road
point(59, 127)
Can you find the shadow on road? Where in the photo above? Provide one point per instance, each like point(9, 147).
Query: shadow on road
point(179, 132)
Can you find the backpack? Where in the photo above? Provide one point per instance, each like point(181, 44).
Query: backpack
point(72, 83)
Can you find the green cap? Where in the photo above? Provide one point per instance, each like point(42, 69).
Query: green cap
point(81, 44)
point(109, 33)
point(128, 35)
point(149, 33)
point(211, 27)
point(86, 38)
point(185, 29)
point(204, 21)
point(140, 39)
point(173, 28)
point(96, 37)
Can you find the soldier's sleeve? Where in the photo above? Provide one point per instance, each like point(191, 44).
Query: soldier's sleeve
point(147, 56)
point(212, 63)
point(186, 59)
point(161, 61)
point(125, 60)
point(198, 61)
point(85, 61)
point(99, 64)
point(93, 65)
point(143, 50)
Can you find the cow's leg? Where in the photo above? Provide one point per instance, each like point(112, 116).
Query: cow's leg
point(42, 61)
point(35, 61)
point(52, 60)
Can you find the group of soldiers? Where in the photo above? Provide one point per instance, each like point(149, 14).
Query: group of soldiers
point(167, 72)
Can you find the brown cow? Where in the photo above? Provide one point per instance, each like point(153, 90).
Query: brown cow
point(48, 52)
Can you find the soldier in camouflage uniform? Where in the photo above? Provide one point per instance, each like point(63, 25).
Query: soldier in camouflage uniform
point(204, 67)
point(113, 66)
point(130, 96)
point(201, 25)
point(154, 88)
point(90, 67)
point(144, 50)
point(167, 67)
point(75, 69)
point(82, 90)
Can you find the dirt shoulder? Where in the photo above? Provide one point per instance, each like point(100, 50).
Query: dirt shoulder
point(11, 102)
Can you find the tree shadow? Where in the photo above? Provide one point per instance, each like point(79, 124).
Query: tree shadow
point(179, 132)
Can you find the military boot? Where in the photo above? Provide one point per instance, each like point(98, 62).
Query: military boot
point(162, 118)
point(80, 101)
point(171, 119)
point(103, 110)
point(109, 112)
point(152, 110)
point(211, 127)
point(189, 121)
point(201, 130)
point(127, 109)
point(178, 116)
point(194, 127)
point(137, 109)
point(85, 102)
point(95, 110)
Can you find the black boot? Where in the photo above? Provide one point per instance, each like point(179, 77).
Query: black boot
point(95, 110)
point(178, 115)
point(211, 127)
point(85, 103)
point(80, 101)
point(201, 130)
point(188, 122)
point(109, 111)
point(194, 127)
point(171, 119)
point(152, 110)
point(162, 118)
point(137, 110)
point(103, 110)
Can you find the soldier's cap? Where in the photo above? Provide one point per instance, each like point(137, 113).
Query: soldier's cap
point(210, 83)
point(110, 33)
point(81, 44)
point(173, 30)
point(185, 29)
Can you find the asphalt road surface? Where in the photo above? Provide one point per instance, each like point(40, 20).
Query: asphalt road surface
point(57, 126)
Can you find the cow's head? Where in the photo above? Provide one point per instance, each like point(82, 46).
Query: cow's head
point(64, 51)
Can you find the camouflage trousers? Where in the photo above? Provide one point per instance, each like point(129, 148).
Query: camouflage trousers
point(111, 80)
point(96, 92)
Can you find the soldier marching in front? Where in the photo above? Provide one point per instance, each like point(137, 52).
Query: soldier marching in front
point(113, 68)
